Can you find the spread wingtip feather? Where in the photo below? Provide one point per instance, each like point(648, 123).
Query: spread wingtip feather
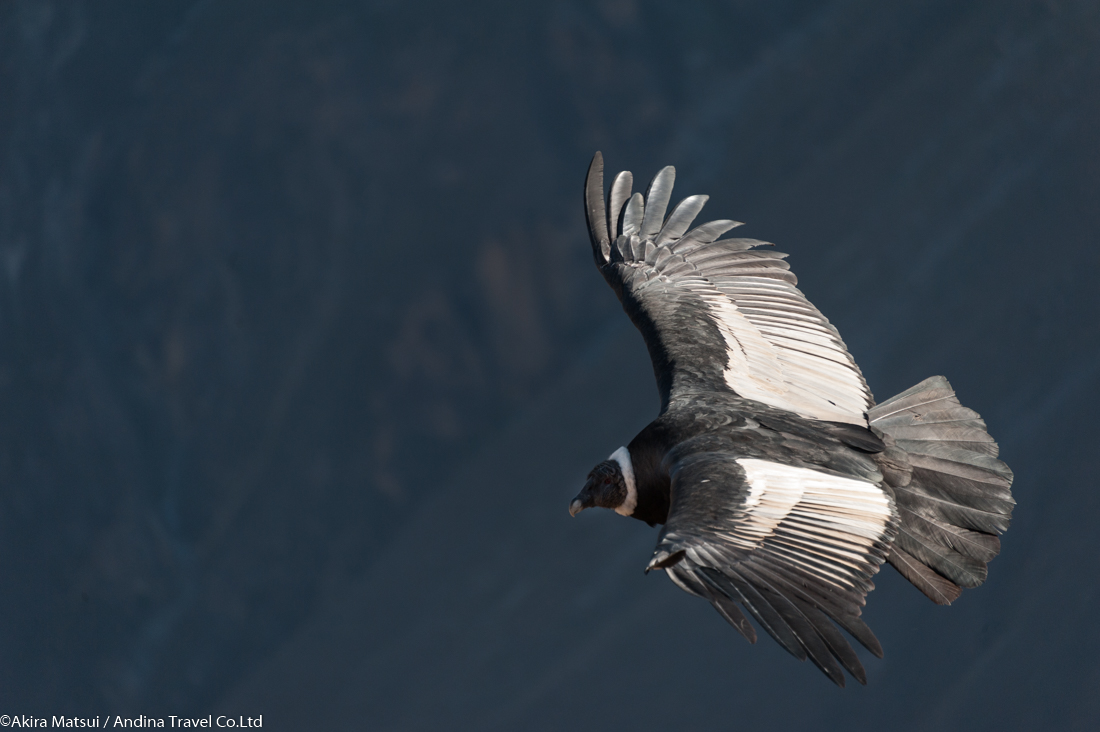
point(595, 211)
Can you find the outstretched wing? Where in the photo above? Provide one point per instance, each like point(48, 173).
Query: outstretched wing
point(794, 546)
point(717, 315)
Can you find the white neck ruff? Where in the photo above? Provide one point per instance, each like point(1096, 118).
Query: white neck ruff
point(622, 457)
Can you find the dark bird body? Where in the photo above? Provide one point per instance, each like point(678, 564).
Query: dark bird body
point(781, 486)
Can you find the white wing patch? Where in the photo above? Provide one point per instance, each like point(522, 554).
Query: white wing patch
point(753, 370)
point(781, 353)
point(826, 524)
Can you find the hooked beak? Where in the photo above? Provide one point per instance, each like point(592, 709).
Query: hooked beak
point(583, 500)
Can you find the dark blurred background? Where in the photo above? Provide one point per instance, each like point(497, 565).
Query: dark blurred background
point(302, 352)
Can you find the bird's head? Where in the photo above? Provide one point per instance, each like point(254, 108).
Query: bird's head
point(609, 485)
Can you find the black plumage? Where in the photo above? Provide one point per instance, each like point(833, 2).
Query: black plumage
point(781, 487)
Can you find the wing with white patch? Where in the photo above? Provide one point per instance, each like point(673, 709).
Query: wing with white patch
point(718, 315)
point(796, 547)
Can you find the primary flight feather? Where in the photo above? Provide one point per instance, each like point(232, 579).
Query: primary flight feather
point(781, 486)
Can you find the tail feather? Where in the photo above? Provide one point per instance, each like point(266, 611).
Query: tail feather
point(960, 416)
point(942, 478)
point(964, 437)
point(934, 390)
point(947, 509)
point(940, 590)
point(953, 496)
point(964, 571)
point(971, 543)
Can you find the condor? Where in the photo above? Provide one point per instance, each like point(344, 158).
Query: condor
point(781, 486)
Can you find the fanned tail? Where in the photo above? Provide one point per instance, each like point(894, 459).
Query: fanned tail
point(951, 490)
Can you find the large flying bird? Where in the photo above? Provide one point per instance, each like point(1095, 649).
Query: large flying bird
point(781, 485)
